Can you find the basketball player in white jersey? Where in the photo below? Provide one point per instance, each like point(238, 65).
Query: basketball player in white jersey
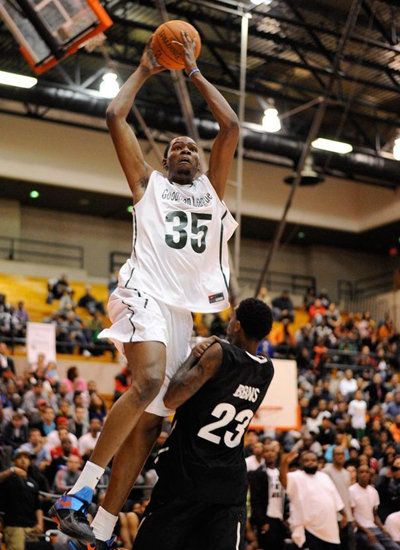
point(179, 264)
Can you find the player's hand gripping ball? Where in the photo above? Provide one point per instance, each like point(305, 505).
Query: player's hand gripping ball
point(168, 44)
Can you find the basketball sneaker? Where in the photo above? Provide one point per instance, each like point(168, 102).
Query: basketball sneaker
point(70, 513)
point(97, 545)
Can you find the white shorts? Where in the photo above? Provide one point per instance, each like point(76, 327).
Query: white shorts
point(138, 317)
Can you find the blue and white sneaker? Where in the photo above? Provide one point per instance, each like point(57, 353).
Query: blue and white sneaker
point(70, 513)
point(97, 545)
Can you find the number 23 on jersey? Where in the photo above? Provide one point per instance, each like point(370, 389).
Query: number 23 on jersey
point(226, 414)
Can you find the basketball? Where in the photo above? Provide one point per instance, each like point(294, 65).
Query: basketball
point(168, 53)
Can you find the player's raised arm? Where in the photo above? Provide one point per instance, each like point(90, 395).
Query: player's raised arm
point(192, 375)
point(225, 143)
point(130, 155)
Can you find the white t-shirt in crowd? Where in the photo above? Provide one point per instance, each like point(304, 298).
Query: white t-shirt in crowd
point(87, 443)
point(392, 526)
point(275, 494)
point(53, 439)
point(347, 386)
point(253, 464)
point(314, 504)
point(363, 501)
point(357, 410)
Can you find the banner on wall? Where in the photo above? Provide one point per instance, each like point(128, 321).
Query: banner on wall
point(41, 338)
point(280, 408)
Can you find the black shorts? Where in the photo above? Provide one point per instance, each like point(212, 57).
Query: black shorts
point(181, 524)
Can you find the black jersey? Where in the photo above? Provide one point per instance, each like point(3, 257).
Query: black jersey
point(203, 458)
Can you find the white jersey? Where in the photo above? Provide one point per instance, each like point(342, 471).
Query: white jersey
point(180, 250)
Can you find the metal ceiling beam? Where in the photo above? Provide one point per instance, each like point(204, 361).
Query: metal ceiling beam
point(275, 37)
point(275, 58)
point(383, 170)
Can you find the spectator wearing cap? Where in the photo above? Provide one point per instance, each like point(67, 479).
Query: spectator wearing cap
point(23, 518)
point(15, 432)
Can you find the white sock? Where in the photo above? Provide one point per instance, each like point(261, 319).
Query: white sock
point(89, 477)
point(103, 524)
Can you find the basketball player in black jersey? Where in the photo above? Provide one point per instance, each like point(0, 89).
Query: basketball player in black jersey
point(199, 500)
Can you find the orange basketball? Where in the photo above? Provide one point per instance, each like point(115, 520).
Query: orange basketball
point(168, 53)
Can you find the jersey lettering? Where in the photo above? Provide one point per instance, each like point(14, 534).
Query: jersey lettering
point(247, 392)
point(226, 414)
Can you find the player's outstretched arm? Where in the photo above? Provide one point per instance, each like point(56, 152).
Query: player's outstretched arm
point(225, 143)
point(130, 155)
point(192, 375)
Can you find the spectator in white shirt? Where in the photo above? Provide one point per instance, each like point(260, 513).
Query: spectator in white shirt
point(348, 384)
point(87, 442)
point(54, 438)
point(392, 526)
point(371, 534)
point(314, 504)
point(357, 410)
point(256, 460)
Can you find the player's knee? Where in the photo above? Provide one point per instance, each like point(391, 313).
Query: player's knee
point(149, 384)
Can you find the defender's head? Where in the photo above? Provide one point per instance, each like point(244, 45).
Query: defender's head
point(251, 320)
point(181, 160)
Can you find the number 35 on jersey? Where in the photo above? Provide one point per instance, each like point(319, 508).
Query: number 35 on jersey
point(186, 228)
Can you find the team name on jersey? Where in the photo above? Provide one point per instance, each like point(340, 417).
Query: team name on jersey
point(247, 392)
point(176, 196)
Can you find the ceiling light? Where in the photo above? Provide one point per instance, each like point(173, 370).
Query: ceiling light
point(34, 194)
point(396, 148)
point(19, 80)
point(332, 146)
point(301, 234)
point(109, 86)
point(271, 122)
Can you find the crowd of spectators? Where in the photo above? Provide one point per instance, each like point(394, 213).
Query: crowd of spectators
point(74, 334)
point(349, 395)
point(48, 429)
